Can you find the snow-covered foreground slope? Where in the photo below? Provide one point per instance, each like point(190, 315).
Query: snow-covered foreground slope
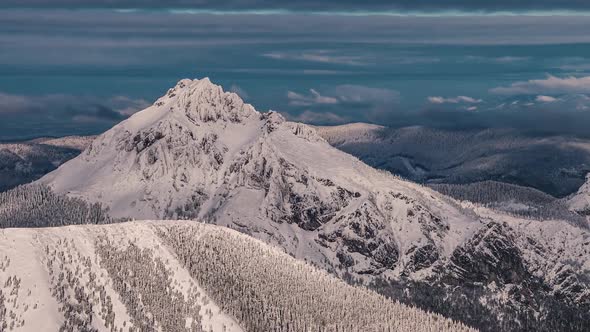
point(201, 153)
point(177, 276)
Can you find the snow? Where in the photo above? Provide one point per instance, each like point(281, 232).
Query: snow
point(44, 258)
point(26, 250)
point(19, 250)
point(143, 236)
point(580, 201)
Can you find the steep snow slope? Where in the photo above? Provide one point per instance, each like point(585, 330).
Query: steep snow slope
point(580, 201)
point(179, 276)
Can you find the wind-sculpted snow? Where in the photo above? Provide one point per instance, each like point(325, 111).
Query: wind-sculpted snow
point(179, 276)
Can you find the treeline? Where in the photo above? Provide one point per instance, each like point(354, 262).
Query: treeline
point(37, 205)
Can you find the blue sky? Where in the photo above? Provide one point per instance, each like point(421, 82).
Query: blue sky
point(82, 66)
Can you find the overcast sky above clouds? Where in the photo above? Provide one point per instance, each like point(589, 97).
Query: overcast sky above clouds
point(81, 66)
point(324, 5)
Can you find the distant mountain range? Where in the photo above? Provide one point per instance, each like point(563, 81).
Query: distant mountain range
point(23, 162)
point(556, 165)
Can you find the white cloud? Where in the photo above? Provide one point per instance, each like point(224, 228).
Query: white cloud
point(239, 91)
point(126, 106)
point(347, 93)
point(315, 98)
point(318, 118)
point(455, 100)
point(499, 60)
point(364, 94)
point(15, 103)
point(576, 67)
point(545, 99)
point(85, 108)
point(510, 59)
point(321, 56)
point(436, 100)
point(343, 102)
point(550, 85)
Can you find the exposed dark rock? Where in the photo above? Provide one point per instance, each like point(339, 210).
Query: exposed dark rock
point(490, 255)
point(422, 257)
point(143, 140)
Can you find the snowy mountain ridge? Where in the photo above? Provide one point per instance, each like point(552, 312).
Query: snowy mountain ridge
point(173, 276)
point(201, 153)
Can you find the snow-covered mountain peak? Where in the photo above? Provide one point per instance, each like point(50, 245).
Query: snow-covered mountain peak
point(203, 101)
point(202, 153)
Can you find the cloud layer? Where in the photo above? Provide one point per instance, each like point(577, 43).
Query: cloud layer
point(49, 114)
point(323, 6)
point(454, 100)
point(321, 56)
point(342, 103)
point(550, 85)
point(331, 68)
